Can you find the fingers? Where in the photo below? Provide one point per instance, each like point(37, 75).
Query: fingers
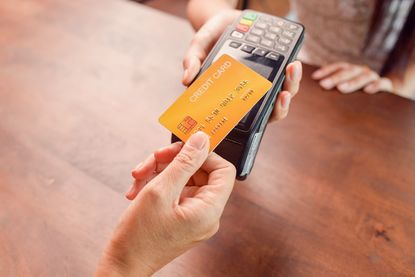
point(192, 64)
point(142, 174)
point(188, 192)
point(195, 55)
point(281, 107)
point(200, 178)
point(165, 155)
point(358, 82)
point(221, 178)
point(153, 165)
point(328, 69)
point(341, 76)
point(349, 78)
point(135, 188)
point(185, 164)
point(382, 84)
point(203, 42)
point(200, 46)
point(294, 73)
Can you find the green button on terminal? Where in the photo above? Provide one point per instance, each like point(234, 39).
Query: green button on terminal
point(250, 16)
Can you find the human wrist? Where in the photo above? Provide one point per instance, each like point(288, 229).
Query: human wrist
point(115, 263)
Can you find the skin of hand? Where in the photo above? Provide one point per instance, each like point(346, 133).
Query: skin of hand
point(178, 197)
point(204, 40)
point(348, 78)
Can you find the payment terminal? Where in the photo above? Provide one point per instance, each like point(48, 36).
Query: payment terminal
point(266, 44)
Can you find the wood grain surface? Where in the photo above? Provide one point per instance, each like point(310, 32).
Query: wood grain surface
point(82, 84)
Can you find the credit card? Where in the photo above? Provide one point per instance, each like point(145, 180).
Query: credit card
point(216, 101)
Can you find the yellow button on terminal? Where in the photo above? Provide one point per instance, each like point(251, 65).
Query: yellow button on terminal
point(246, 22)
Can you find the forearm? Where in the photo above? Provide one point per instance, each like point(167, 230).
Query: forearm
point(109, 267)
point(199, 11)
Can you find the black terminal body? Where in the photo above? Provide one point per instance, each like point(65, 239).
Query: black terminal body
point(266, 44)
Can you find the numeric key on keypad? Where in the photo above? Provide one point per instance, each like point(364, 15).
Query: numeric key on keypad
point(267, 42)
point(292, 27)
point(281, 48)
point(256, 31)
point(252, 38)
point(288, 34)
point(279, 22)
point(261, 25)
point(270, 36)
point(265, 19)
point(275, 29)
point(284, 40)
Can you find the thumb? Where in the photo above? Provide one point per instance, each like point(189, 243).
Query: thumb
point(191, 65)
point(190, 158)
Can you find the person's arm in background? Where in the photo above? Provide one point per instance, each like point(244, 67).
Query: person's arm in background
point(210, 18)
point(200, 11)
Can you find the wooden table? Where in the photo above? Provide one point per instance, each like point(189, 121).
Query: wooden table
point(82, 84)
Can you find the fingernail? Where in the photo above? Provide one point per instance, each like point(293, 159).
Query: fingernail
point(296, 72)
point(326, 83)
point(316, 74)
point(185, 74)
point(137, 168)
point(193, 68)
point(130, 191)
point(343, 87)
point(286, 102)
point(180, 143)
point(198, 140)
point(140, 165)
point(369, 89)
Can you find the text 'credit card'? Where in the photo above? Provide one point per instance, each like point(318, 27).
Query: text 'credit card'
point(216, 101)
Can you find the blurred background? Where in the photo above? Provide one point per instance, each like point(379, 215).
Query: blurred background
point(178, 7)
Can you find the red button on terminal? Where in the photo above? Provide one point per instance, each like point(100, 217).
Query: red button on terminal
point(242, 28)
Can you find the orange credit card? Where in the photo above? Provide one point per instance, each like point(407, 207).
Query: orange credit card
point(216, 101)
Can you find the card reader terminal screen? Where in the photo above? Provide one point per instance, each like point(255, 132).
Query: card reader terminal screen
point(268, 68)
